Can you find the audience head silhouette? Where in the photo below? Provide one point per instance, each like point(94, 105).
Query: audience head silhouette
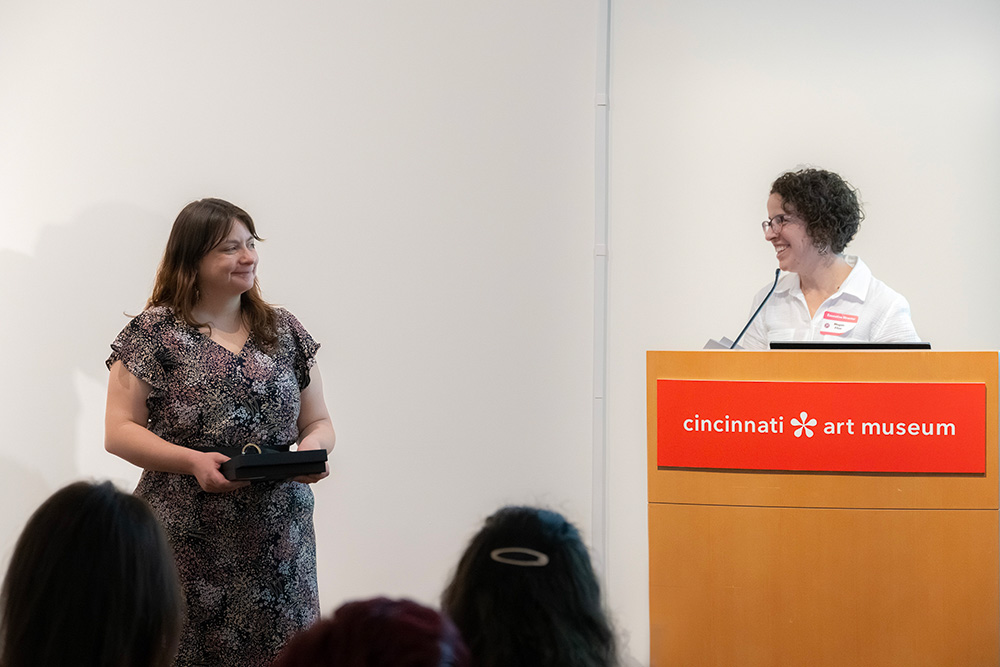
point(91, 583)
point(525, 593)
point(378, 633)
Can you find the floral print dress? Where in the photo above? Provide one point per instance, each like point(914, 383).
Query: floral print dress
point(246, 559)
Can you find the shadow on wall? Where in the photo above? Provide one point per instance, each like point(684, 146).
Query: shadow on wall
point(61, 307)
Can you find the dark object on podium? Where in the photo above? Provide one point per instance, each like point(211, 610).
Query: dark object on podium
point(256, 464)
point(845, 345)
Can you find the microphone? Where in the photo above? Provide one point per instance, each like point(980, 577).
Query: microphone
point(777, 272)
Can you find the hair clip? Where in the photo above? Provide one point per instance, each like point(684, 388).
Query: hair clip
point(538, 559)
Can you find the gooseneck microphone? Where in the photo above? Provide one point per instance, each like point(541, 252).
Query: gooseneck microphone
point(777, 272)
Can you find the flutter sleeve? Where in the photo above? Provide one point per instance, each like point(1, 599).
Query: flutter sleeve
point(304, 346)
point(139, 347)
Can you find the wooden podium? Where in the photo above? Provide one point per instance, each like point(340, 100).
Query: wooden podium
point(776, 568)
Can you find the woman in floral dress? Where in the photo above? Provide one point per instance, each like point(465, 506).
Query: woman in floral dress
point(210, 364)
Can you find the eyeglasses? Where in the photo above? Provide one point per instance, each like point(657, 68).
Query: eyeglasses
point(776, 223)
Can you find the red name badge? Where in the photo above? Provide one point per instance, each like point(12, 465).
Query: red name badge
point(822, 426)
point(840, 317)
point(837, 324)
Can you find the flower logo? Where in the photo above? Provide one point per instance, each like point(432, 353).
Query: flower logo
point(803, 423)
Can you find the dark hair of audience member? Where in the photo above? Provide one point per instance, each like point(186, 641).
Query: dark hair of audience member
point(91, 583)
point(525, 593)
point(378, 633)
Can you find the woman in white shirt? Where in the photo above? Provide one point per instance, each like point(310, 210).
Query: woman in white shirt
point(822, 294)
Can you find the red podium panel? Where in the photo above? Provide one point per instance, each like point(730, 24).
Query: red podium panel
point(913, 427)
point(767, 548)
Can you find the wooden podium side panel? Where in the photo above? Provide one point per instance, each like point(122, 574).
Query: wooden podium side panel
point(755, 586)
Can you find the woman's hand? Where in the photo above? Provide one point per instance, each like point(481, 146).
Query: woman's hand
point(205, 467)
point(315, 477)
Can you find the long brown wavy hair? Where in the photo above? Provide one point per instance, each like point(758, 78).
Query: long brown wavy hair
point(199, 227)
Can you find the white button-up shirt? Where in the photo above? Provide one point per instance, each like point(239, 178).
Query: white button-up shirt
point(864, 309)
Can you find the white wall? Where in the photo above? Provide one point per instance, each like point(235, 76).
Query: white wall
point(710, 102)
point(424, 176)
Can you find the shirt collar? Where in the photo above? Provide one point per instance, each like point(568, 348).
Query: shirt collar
point(788, 282)
point(856, 284)
point(858, 280)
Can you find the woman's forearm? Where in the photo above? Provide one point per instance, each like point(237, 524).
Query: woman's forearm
point(318, 435)
point(143, 448)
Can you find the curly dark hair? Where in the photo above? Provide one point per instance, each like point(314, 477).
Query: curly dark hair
point(827, 203)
